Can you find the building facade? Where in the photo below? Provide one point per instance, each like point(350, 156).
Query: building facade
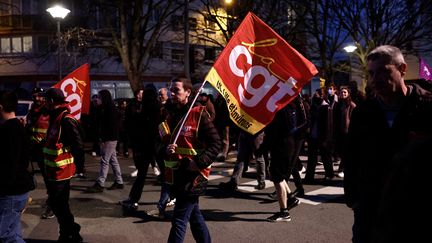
point(29, 46)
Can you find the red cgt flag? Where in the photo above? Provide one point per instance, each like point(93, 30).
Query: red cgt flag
point(258, 73)
point(76, 87)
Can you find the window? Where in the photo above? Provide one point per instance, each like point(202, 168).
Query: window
point(16, 44)
point(27, 44)
point(177, 55)
point(6, 7)
point(177, 22)
point(15, 13)
point(209, 23)
point(26, 7)
point(5, 45)
point(21, 44)
point(193, 23)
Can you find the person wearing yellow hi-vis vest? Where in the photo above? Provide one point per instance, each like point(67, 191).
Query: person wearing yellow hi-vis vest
point(37, 122)
point(63, 148)
point(188, 161)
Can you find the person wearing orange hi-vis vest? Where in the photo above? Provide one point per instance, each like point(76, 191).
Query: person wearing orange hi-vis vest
point(63, 148)
point(189, 156)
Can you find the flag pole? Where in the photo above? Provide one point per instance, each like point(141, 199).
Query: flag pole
point(189, 110)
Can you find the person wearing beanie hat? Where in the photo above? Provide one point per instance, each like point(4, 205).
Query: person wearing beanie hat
point(55, 96)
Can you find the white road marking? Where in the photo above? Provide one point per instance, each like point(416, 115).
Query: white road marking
point(322, 195)
point(315, 197)
point(250, 185)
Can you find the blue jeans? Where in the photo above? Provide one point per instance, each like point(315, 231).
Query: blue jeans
point(187, 210)
point(109, 157)
point(164, 197)
point(11, 208)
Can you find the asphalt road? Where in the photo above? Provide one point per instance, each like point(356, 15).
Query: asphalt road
point(231, 217)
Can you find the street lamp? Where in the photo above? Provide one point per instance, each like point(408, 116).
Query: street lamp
point(58, 13)
point(350, 49)
point(229, 12)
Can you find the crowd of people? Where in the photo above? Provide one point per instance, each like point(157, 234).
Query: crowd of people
point(373, 137)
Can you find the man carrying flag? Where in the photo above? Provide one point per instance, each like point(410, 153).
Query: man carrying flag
point(258, 73)
point(193, 147)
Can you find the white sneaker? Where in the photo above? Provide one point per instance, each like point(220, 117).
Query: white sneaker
point(157, 214)
point(341, 175)
point(171, 203)
point(156, 171)
point(135, 173)
point(303, 170)
point(94, 154)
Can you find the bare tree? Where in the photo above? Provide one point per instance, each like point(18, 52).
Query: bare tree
point(311, 27)
point(135, 29)
point(328, 36)
point(370, 23)
point(225, 18)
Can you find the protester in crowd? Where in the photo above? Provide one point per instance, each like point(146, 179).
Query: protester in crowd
point(15, 178)
point(300, 122)
point(151, 118)
point(94, 126)
point(37, 126)
point(322, 132)
point(123, 135)
point(109, 124)
point(163, 95)
point(63, 148)
point(392, 125)
point(248, 147)
point(356, 95)
point(222, 123)
point(208, 103)
point(190, 157)
point(280, 141)
point(342, 113)
point(166, 198)
point(133, 119)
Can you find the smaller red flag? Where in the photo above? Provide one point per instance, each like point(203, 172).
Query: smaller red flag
point(76, 87)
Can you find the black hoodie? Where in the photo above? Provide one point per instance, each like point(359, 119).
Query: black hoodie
point(15, 178)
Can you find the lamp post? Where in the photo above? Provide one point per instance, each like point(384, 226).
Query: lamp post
point(229, 12)
point(350, 49)
point(58, 13)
